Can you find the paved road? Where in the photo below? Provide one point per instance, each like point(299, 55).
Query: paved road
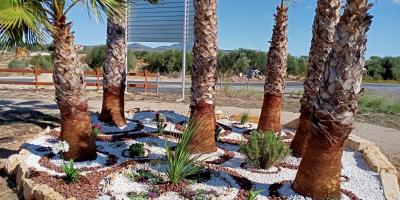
point(393, 89)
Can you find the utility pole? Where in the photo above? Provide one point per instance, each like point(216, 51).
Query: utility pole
point(185, 36)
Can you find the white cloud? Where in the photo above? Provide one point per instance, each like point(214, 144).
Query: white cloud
point(396, 1)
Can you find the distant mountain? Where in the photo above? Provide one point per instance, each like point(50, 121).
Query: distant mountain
point(140, 47)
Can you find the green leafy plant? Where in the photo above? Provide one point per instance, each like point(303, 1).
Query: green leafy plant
point(138, 196)
point(181, 163)
point(264, 149)
point(143, 175)
point(70, 171)
point(244, 118)
point(199, 194)
point(137, 149)
point(254, 193)
point(97, 129)
point(161, 128)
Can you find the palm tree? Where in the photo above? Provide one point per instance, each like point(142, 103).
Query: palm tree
point(336, 105)
point(114, 70)
point(50, 17)
point(275, 73)
point(203, 73)
point(326, 18)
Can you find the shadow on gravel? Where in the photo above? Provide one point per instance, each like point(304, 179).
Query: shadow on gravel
point(5, 153)
point(28, 115)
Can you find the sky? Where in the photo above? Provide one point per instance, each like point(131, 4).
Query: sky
point(249, 23)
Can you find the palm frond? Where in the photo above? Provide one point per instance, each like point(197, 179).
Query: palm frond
point(100, 8)
point(22, 23)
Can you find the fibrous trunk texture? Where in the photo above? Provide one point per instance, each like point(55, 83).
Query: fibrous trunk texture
point(324, 159)
point(326, 18)
point(114, 72)
point(336, 105)
point(203, 73)
point(69, 82)
point(275, 74)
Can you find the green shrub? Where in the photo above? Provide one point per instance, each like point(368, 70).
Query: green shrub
point(142, 175)
point(181, 163)
point(137, 149)
point(17, 64)
point(70, 171)
point(43, 62)
point(244, 118)
point(381, 104)
point(264, 149)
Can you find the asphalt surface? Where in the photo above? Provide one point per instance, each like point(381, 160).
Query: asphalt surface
point(393, 89)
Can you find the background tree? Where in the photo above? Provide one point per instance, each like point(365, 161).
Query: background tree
point(275, 73)
point(326, 18)
point(203, 73)
point(50, 17)
point(336, 105)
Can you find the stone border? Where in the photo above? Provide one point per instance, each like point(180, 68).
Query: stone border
point(15, 166)
point(378, 162)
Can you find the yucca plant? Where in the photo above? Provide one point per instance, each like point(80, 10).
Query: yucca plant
point(181, 163)
point(254, 193)
point(264, 149)
point(70, 171)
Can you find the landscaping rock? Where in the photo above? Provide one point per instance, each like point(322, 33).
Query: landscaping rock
point(12, 164)
point(29, 188)
point(390, 186)
point(292, 124)
point(2, 164)
point(22, 169)
point(377, 161)
point(357, 143)
point(43, 192)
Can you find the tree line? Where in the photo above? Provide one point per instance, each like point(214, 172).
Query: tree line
point(229, 62)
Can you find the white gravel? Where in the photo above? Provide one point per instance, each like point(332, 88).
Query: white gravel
point(130, 126)
point(364, 183)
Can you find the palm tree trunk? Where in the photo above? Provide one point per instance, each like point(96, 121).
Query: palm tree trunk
point(204, 79)
point(114, 73)
point(336, 105)
point(275, 74)
point(69, 82)
point(325, 21)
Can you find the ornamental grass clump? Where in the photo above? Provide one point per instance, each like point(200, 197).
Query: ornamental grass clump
point(181, 163)
point(264, 149)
